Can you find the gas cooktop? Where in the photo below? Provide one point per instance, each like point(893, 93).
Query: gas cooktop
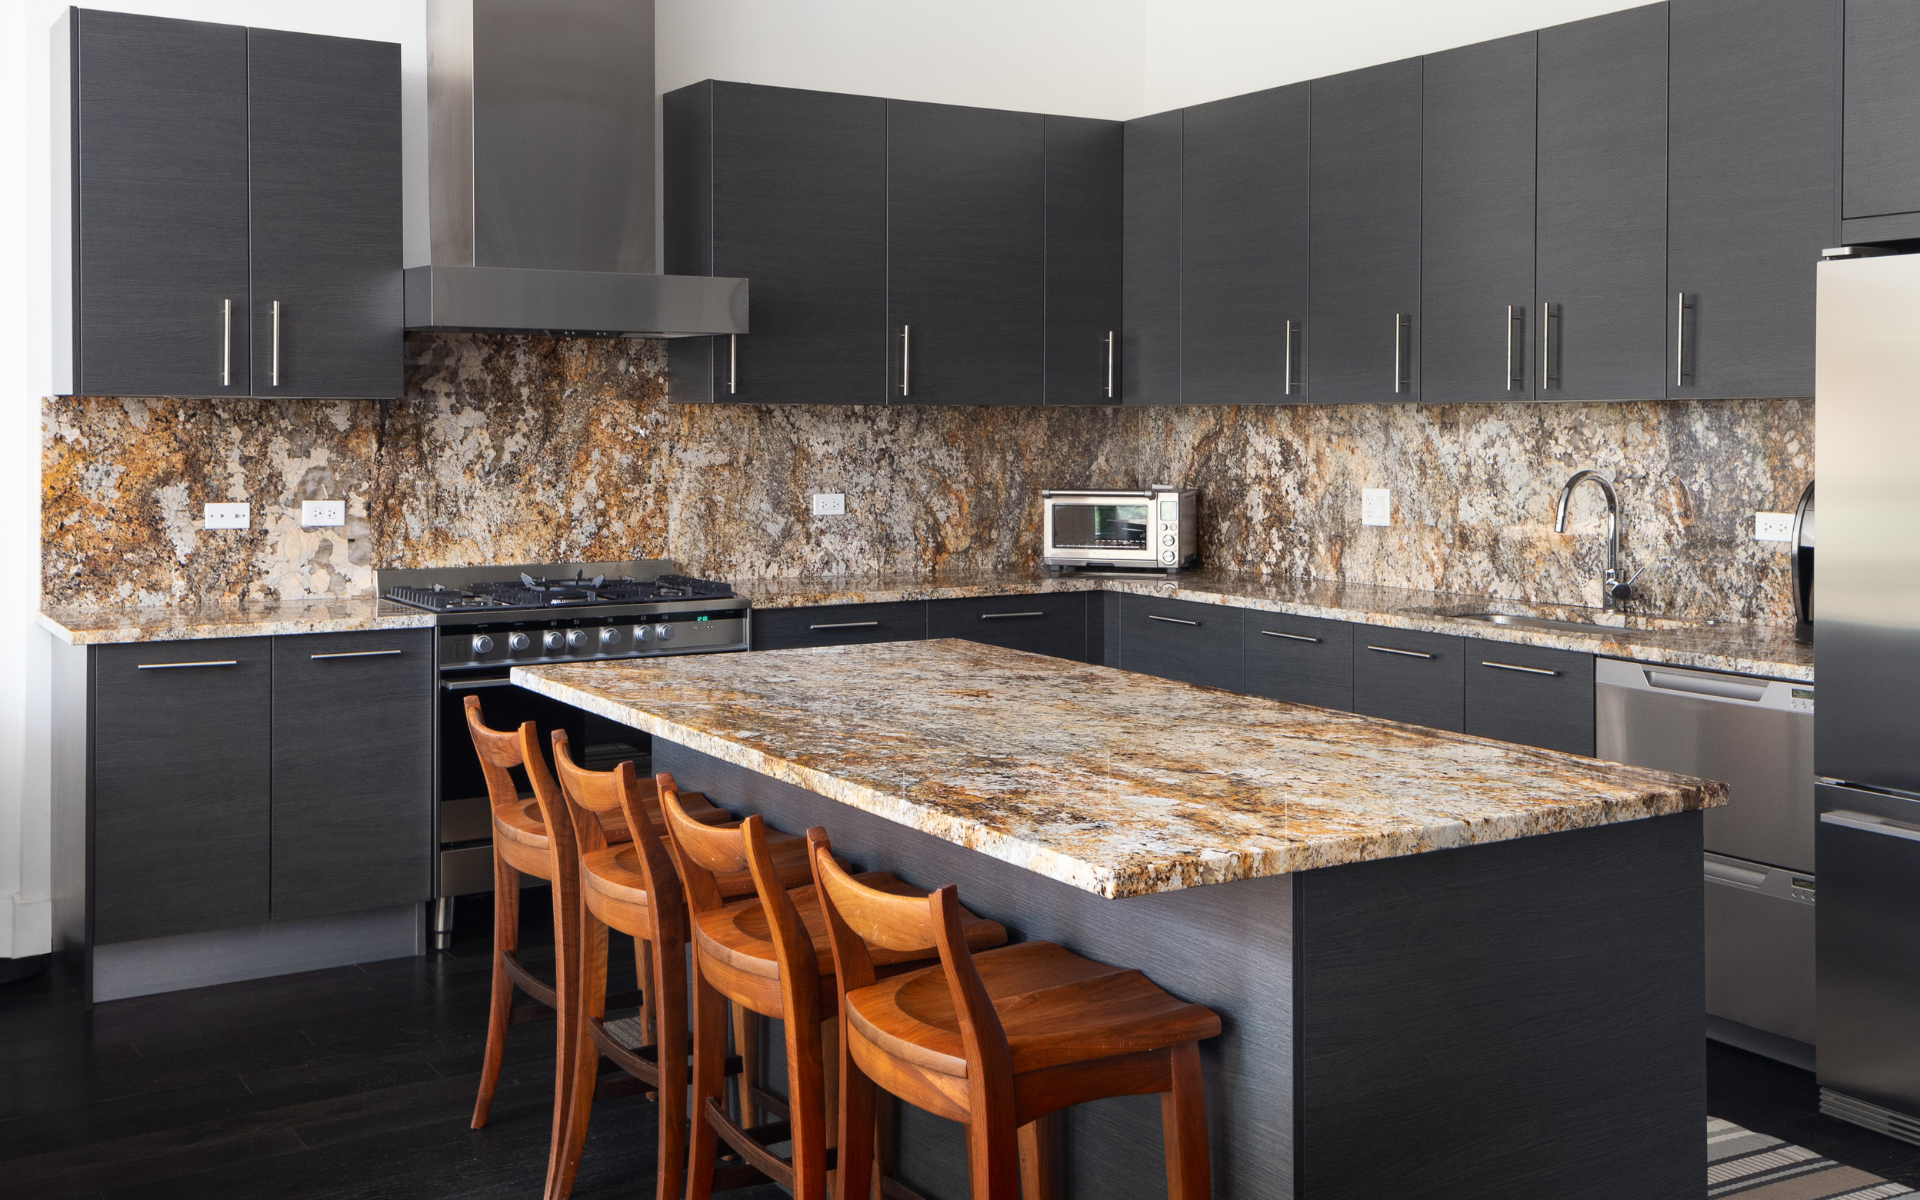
point(544, 590)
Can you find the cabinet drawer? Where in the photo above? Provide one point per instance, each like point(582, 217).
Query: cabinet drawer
point(1055, 625)
point(1304, 659)
point(1404, 675)
point(1178, 639)
point(839, 625)
point(181, 793)
point(1529, 695)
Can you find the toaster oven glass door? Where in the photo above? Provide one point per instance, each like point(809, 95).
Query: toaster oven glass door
point(1100, 526)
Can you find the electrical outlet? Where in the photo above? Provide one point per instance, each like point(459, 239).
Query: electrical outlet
point(830, 504)
point(1772, 527)
point(229, 516)
point(1376, 506)
point(315, 513)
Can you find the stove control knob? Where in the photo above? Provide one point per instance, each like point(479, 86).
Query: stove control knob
point(552, 640)
point(576, 639)
point(482, 644)
point(609, 638)
point(517, 642)
point(643, 633)
point(663, 632)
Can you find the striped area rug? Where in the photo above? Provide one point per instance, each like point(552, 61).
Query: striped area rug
point(1755, 1166)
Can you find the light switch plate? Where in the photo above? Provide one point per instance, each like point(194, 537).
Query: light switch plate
point(323, 513)
point(1772, 527)
point(1376, 506)
point(229, 516)
point(830, 504)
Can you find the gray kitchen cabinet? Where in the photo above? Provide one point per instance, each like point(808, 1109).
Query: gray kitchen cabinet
point(323, 121)
point(1601, 217)
point(1243, 248)
point(966, 255)
point(1364, 238)
point(1084, 228)
point(1880, 195)
point(1178, 639)
point(1307, 660)
point(1530, 695)
point(1054, 624)
point(787, 189)
point(180, 781)
point(352, 723)
point(1752, 150)
point(1477, 213)
point(839, 625)
point(1407, 675)
point(1150, 269)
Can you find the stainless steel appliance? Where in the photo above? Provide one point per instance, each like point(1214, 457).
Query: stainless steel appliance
point(1757, 735)
point(491, 619)
point(1153, 529)
point(1867, 595)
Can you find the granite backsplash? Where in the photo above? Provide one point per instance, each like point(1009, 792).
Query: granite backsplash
point(510, 448)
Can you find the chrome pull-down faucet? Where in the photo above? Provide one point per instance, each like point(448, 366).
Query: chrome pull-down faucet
point(1614, 589)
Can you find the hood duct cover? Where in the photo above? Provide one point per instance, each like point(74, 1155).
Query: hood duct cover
point(541, 177)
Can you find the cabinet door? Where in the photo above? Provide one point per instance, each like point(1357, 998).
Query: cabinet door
point(1476, 244)
point(159, 143)
point(787, 189)
point(1047, 624)
point(1084, 224)
point(1404, 675)
point(1752, 150)
point(1529, 695)
point(1304, 659)
point(352, 771)
point(324, 131)
point(1601, 224)
point(839, 625)
point(1243, 248)
point(1178, 639)
point(1150, 333)
point(181, 791)
point(1365, 236)
point(966, 255)
point(1882, 111)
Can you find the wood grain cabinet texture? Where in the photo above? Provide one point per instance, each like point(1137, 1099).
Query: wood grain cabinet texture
point(1085, 162)
point(1303, 659)
point(1178, 639)
point(839, 625)
point(1407, 675)
point(1529, 695)
point(1054, 624)
point(1881, 193)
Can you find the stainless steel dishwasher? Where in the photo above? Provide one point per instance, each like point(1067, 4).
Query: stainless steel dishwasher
point(1757, 736)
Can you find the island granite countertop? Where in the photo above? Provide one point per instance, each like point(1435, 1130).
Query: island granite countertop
point(1115, 783)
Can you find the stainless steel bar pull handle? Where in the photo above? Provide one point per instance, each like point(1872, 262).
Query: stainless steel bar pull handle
point(1005, 616)
point(1682, 369)
point(357, 654)
point(1516, 344)
point(906, 360)
point(224, 662)
point(1402, 324)
point(1109, 364)
point(1172, 620)
point(1405, 653)
point(273, 371)
point(1549, 367)
point(847, 625)
point(1517, 667)
point(733, 363)
point(1288, 386)
point(1292, 637)
point(226, 343)
point(473, 685)
point(1869, 823)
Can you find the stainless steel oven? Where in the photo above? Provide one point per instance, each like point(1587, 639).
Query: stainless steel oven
point(1151, 529)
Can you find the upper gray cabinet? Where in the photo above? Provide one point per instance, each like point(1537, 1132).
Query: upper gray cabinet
point(1084, 228)
point(1881, 198)
point(1601, 208)
point(1476, 213)
point(1754, 98)
point(230, 204)
point(1365, 236)
point(1150, 337)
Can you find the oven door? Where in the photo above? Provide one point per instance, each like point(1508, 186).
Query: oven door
point(1099, 531)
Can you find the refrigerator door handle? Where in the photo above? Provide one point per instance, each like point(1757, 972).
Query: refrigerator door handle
point(1868, 823)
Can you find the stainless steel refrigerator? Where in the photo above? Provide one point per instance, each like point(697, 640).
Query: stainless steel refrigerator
point(1867, 739)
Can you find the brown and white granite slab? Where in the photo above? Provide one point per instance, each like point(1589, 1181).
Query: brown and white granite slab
point(99, 627)
point(1118, 784)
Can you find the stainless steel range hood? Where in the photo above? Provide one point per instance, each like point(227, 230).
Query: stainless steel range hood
point(541, 177)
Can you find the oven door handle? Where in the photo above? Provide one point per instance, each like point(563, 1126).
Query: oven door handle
point(472, 685)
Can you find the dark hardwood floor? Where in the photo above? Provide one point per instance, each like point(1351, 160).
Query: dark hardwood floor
point(1781, 1101)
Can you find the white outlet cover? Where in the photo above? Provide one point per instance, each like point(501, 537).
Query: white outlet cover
point(1376, 506)
point(323, 513)
point(830, 504)
point(229, 516)
point(1772, 527)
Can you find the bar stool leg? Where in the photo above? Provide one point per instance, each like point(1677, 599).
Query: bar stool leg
point(1183, 1125)
point(506, 939)
point(670, 974)
point(1040, 1158)
point(590, 1003)
point(746, 1043)
point(865, 1138)
point(709, 1083)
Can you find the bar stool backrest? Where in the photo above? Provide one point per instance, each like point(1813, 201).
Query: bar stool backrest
point(590, 793)
point(500, 752)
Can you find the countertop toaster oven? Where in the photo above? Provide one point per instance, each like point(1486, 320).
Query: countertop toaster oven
point(1150, 529)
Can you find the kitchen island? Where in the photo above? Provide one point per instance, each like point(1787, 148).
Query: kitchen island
point(1445, 966)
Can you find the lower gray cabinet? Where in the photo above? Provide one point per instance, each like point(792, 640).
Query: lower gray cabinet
point(1048, 624)
point(180, 785)
point(352, 772)
point(1529, 695)
point(839, 625)
point(1304, 659)
point(1405, 675)
point(1178, 639)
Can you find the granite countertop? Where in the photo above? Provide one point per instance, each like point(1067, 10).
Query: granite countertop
point(89, 627)
point(1076, 773)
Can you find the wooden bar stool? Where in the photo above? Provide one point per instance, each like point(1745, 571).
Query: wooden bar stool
point(998, 1039)
point(768, 953)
